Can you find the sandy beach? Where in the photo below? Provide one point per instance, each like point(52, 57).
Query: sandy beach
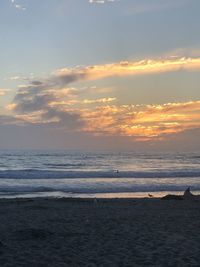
point(115, 232)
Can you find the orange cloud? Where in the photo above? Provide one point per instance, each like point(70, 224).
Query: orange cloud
point(51, 100)
point(4, 91)
point(143, 122)
point(100, 117)
point(128, 68)
point(99, 100)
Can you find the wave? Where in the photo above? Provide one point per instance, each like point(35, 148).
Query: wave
point(64, 165)
point(46, 174)
point(95, 190)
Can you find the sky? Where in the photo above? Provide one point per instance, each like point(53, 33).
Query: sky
point(100, 74)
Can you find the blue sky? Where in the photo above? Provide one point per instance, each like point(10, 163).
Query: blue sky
point(49, 41)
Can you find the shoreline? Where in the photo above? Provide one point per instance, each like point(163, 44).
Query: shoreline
point(115, 195)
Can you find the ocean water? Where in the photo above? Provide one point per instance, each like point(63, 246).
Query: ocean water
point(99, 174)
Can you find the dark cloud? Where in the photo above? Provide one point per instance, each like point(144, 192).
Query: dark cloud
point(69, 120)
point(36, 103)
point(36, 83)
point(65, 78)
point(37, 96)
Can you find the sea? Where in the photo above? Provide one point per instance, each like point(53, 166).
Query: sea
point(42, 173)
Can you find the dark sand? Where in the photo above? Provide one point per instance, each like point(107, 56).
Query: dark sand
point(72, 232)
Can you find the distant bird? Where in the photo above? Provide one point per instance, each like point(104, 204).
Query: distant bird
point(150, 195)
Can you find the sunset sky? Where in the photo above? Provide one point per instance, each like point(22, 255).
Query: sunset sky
point(100, 74)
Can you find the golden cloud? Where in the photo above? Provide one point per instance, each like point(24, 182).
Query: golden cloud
point(99, 100)
point(145, 122)
point(51, 100)
point(128, 68)
point(4, 91)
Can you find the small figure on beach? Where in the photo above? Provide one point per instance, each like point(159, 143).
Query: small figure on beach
point(117, 171)
point(150, 195)
point(187, 193)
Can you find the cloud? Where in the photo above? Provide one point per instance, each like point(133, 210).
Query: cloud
point(144, 6)
point(20, 78)
point(15, 78)
point(65, 76)
point(101, 1)
point(133, 7)
point(55, 102)
point(124, 68)
point(4, 91)
point(100, 100)
point(64, 107)
point(39, 102)
point(143, 122)
point(17, 5)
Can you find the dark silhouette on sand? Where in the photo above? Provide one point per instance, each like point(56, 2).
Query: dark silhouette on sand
point(187, 195)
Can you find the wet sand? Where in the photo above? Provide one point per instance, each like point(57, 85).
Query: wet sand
point(81, 232)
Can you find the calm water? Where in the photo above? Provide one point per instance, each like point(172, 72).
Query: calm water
point(64, 173)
